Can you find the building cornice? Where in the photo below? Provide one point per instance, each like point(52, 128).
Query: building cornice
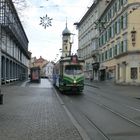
point(93, 6)
point(124, 8)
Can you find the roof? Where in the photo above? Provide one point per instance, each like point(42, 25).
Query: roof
point(66, 31)
point(91, 8)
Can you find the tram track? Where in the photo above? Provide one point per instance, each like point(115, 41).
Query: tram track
point(114, 112)
point(101, 132)
point(96, 127)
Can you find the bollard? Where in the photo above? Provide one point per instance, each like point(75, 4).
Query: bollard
point(1, 99)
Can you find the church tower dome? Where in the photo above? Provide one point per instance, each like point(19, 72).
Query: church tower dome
point(66, 42)
point(66, 31)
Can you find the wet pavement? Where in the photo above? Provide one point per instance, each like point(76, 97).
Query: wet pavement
point(33, 112)
point(131, 91)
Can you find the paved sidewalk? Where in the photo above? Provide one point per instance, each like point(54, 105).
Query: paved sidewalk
point(30, 113)
point(125, 90)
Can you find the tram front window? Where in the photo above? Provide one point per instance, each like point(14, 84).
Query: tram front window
point(73, 69)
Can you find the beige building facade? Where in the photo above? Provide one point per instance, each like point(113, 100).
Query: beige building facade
point(109, 42)
point(119, 43)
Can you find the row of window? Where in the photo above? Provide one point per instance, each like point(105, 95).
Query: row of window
point(118, 4)
point(9, 46)
point(11, 70)
point(114, 29)
point(87, 37)
point(88, 23)
point(119, 48)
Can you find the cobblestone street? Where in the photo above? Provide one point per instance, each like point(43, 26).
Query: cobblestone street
point(30, 113)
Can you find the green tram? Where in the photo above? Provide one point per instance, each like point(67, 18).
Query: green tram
point(68, 74)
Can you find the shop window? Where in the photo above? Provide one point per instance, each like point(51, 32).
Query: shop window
point(134, 73)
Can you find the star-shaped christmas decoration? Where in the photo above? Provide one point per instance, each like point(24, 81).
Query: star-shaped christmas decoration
point(45, 21)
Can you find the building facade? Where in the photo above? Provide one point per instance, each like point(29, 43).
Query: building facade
point(116, 55)
point(39, 62)
point(119, 44)
point(88, 38)
point(48, 70)
point(14, 52)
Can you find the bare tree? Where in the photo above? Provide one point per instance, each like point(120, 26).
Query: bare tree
point(20, 5)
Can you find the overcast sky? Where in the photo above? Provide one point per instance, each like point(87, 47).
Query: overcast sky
point(47, 42)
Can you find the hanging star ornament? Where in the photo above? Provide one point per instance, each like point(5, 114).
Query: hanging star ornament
point(45, 21)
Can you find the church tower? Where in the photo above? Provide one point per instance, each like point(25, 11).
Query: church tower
point(66, 44)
